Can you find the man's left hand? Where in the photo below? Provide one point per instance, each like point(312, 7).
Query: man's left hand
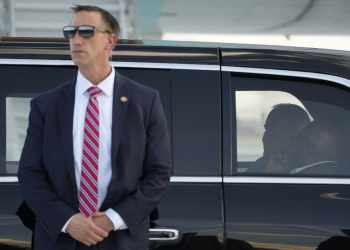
point(101, 220)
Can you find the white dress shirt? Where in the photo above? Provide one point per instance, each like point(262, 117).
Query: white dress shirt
point(105, 101)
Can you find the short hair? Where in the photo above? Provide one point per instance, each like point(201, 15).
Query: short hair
point(294, 114)
point(106, 16)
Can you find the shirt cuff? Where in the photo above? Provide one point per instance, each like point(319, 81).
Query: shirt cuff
point(63, 230)
point(117, 221)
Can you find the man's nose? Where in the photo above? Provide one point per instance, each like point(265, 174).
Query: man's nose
point(77, 39)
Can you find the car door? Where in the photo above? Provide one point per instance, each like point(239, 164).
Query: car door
point(188, 80)
point(281, 210)
point(20, 82)
point(190, 216)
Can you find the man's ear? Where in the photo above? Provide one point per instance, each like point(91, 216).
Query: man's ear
point(111, 41)
point(307, 149)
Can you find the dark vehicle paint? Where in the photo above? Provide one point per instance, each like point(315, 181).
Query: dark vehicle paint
point(13, 235)
point(300, 60)
point(260, 215)
point(286, 216)
point(121, 53)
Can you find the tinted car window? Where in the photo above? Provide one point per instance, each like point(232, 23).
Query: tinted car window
point(21, 83)
point(251, 118)
point(190, 98)
point(290, 126)
point(18, 85)
point(196, 115)
point(17, 112)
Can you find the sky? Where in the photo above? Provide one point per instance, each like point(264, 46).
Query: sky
point(304, 23)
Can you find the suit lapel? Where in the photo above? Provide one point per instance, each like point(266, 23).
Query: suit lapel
point(65, 115)
point(121, 96)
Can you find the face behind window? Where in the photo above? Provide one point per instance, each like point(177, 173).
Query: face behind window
point(277, 135)
point(316, 109)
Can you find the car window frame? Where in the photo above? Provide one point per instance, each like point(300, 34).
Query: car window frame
point(12, 178)
point(229, 127)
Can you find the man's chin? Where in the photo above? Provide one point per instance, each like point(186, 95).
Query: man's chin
point(78, 61)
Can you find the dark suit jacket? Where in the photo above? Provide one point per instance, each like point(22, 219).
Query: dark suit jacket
point(141, 164)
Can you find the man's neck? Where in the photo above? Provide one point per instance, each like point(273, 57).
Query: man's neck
point(95, 74)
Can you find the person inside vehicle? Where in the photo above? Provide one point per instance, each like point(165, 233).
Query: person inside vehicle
point(283, 121)
point(320, 148)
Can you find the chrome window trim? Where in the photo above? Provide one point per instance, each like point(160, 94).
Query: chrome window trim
point(8, 179)
point(239, 180)
point(189, 179)
point(226, 179)
point(278, 72)
point(114, 64)
point(173, 179)
point(166, 66)
point(285, 180)
point(36, 62)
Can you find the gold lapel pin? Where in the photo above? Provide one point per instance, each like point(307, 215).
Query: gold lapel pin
point(123, 99)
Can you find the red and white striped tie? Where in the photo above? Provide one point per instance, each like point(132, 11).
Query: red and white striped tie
point(88, 195)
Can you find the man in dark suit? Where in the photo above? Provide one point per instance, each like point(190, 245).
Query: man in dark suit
point(319, 149)
point(96, 159)
point(283, 121)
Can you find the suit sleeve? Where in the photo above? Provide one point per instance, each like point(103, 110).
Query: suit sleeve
point(50, 211)
point(135, 208)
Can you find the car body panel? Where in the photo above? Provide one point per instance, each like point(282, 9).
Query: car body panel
point(209, 201)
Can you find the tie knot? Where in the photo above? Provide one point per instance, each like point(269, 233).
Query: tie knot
point(94, 91)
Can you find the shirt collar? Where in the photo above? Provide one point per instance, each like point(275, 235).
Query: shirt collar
point(296, 170)
point(106, 85)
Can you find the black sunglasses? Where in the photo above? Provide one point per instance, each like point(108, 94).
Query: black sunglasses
point(83, 30)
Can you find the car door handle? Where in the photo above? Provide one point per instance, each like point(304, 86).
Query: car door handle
point(164, 235)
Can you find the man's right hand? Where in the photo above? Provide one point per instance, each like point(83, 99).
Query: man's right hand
point(85, 230)
point(278, 163)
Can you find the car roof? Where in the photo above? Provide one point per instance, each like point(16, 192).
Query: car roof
point(333, 62)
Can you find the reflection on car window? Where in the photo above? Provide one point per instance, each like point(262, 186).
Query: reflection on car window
point(320, 148)
point(284, 121)
point(291, 133)
point(251, 122)
point(17, 113)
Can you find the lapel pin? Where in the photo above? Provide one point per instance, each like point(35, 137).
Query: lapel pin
point(123, 99)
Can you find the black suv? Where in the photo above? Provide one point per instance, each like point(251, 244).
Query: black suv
point(216, 99)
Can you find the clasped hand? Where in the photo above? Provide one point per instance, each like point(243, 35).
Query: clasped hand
point(279, 163)
point(90, 230)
